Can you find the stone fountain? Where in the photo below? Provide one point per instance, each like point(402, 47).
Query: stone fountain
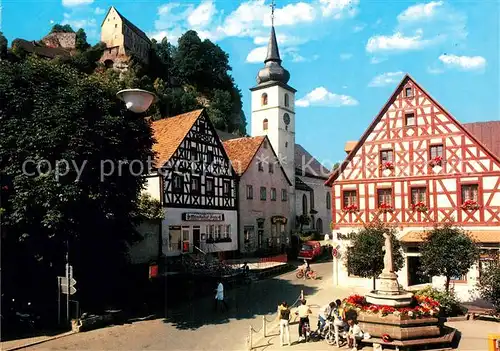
point(403, 330)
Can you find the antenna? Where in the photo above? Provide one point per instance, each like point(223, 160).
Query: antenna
point(273, 6)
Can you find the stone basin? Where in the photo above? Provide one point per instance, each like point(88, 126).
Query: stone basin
point(399, 327)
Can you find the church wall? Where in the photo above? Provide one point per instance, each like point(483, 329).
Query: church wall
point(112, 31)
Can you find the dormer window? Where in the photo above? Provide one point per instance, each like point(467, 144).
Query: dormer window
point(287, 100)
point(265, 124)
point(408, 92)
point(264, 99)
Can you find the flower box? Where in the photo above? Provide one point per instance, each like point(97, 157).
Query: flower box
point(387, 165)
point(436, 161)
point(420, 207)
point(384, 208)
point(351, 208)
point(470, 205)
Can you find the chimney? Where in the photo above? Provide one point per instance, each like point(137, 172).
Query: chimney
point(349, 146)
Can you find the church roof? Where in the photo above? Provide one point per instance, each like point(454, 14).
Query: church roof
point(272, 71)
point(169, 134)
point(306, 165)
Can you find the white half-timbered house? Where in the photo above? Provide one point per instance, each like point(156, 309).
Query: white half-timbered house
point(196, 184)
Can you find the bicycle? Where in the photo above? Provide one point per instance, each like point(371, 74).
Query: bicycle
point(310, 274)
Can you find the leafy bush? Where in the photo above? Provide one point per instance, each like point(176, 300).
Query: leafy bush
point(489, 285)
point(450, 306)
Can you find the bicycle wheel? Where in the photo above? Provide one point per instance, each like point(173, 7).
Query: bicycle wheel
point(300, 275)
point(330, 337)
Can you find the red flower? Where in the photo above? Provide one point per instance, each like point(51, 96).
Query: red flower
point(351, 208)
point(5, 188)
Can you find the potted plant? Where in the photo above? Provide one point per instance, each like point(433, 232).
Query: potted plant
point(470, 205)
point(351, 208)
point(387, 167)
point(383, 208)
point(436, 161)
point(420, 207)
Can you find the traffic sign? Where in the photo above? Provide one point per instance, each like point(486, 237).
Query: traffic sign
point(64, 281)
point(335, 253)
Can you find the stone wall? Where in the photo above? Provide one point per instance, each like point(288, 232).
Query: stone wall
point(60, 40)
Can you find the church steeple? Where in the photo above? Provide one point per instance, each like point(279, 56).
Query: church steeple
point(273, 71)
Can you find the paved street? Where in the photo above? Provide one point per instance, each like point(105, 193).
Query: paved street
point(196, 326)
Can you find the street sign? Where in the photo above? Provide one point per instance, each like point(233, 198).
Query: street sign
point(64, 289)
point(64, 281)
point(335, 253)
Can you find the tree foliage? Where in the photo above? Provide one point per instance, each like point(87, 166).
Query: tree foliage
point(149, 208)
point(448, 251)
point(52, 112)
point(489, 284)
point(59, 28)
point(3, 46)
point(365, 258)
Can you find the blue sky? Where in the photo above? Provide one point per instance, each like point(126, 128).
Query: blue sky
point(345, 57)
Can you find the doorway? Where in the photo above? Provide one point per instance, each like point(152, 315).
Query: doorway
point(415, 276)
point(196, 237)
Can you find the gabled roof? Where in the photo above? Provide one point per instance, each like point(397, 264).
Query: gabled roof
point(242, 151)
point(488, 133)
point(307, 165)
point(169, 134)
point(379, 116)
point(300, 185)
point(129, 24)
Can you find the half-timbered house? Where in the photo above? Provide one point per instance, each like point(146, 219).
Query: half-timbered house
point(264, 206)
point(196, 184)
point(415, 166)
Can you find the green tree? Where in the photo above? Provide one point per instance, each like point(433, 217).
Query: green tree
point(221, 109)
point(489, 283)
point(85, 61)
point(58, 28)
point(52, 112)
point(365, 258)
point(3, 46)
point(448, 251)
point(81, 40)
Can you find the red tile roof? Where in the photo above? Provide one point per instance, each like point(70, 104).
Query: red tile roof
point(241, 151)
point(169, 134)
point(488, 133)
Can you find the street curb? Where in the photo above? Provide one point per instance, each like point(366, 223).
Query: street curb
point(40, 341)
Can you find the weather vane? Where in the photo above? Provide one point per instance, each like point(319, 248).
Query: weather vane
point(273, 6)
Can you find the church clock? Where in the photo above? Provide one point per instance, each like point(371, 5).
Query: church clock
point(286, 118)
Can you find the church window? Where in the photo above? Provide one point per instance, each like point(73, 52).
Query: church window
point(287, 100)
point(264, 99)
point(304, 204)
point(265, 124)
point(328, 201)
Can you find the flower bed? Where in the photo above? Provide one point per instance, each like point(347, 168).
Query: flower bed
point(421, 306)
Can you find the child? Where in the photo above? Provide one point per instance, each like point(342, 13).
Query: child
point(354, 334)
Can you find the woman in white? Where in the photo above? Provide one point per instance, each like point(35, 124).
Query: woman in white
point(284, 318)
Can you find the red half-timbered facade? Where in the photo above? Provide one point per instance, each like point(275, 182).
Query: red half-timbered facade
point(415, 166)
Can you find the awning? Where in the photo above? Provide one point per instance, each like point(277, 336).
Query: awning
point(482, 236)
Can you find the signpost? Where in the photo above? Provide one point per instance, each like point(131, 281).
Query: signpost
point(66, 285)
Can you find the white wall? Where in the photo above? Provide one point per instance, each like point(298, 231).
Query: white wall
point(255, 208)
point(319, 193)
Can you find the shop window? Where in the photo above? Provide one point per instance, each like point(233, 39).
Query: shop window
point(248, 234)
point(227, 231)
point(174, 238)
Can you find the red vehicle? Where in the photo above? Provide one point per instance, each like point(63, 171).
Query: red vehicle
point(310, 250)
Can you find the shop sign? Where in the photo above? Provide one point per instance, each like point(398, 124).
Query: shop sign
point(278, 219)
point(200, 216)
point(349, 236)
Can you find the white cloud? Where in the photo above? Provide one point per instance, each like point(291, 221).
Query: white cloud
point(80, 23)
point(99, 11)
point(420, 11)
point(384, 79)
point(443, 25)
point(345, 56)
point(465, 63)
point(339, 8)
point(397, 42)
point(73, 3)
point(257, 55)
point(203, 14)
point(322, 97)
point(52, 21)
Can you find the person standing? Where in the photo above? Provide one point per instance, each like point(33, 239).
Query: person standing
point(284, 319)
point(338, 320)
point(219, 297)
point(324, 314)
point(303, 311)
